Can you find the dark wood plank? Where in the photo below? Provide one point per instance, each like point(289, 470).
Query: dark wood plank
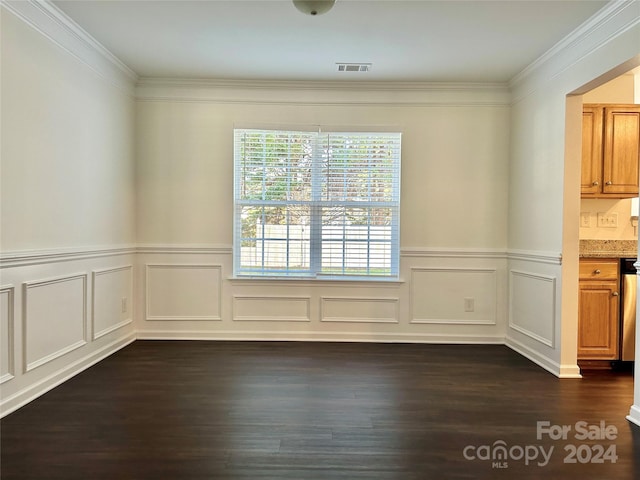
point(277, 410)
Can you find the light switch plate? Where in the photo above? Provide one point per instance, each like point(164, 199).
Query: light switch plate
point(607, 220)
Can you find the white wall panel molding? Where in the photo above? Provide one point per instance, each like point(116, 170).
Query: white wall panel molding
point(30, 392)
point(54, 24)
point(413, 252)
point(7, 322)
point(185, 249)
point(38, 257)
point(112, 300)
point(454, 296)
point(535, 256)
point(54, 318)
point(309, 336)
point(322, 93)
point(359, 309)
point(271, 308)
point(183, 292)
point(532, 297)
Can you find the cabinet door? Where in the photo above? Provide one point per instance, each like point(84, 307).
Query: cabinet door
point(598, 326)
point(621, 150)
point(591, 150)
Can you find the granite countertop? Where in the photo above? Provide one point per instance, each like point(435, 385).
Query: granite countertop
point(608, 248)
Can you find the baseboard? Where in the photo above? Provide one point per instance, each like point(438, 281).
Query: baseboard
point(634, 415)
point(31, 392)
point(560, 371)
point(317, 337)
point(570, 371)
point(26, 395)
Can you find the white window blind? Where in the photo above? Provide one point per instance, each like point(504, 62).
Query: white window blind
point(316, 203)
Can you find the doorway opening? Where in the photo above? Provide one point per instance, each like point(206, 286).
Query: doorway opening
point(597, 219)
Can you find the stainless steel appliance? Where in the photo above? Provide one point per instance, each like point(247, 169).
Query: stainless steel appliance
point(628, 310)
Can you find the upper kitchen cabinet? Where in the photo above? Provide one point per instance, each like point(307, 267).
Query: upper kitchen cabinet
point(610, 150)
point(592, 132)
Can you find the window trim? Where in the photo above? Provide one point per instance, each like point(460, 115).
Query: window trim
point(316, 202)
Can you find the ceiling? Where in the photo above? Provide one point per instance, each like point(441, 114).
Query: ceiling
point(408, 41)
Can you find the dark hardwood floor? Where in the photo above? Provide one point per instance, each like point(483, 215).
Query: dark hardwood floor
point(270, 410)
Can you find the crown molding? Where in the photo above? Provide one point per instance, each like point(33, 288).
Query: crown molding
point(180, 82)
point(572, 38)
point(54, 24)
point(611, 21)
point(322, 93)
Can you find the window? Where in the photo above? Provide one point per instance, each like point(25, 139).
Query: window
point(316, 204)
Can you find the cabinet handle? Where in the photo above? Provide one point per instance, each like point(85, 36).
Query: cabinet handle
point(597, 272)
point(608, 183)
point(595, 184)
point(615, 294)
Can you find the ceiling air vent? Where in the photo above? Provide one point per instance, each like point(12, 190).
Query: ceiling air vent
point(354, 67)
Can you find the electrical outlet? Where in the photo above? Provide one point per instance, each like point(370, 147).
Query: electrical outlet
point(469, 304)
point(123, 305)
point(585, 219)
point(607, 220)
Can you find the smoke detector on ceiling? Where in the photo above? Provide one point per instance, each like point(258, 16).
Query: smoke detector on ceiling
point(353, 67)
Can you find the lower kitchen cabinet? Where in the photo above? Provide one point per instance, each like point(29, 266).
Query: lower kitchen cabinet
point(598, 309)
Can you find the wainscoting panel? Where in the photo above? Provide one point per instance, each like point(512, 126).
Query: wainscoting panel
point(456, 296)
point(271, 309)
point(112, 299)
point(183, 292)
point(183, 284)
point(359, 310)
point(7, 309)
point(532, 298)
point(54, 318)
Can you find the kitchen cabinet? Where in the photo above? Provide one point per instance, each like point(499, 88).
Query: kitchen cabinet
point(610, 151)
point(598, 307)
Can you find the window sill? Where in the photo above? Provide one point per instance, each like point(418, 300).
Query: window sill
point(299, 281)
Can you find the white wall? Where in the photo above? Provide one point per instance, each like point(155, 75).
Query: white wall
point(68, 207)
point(454, 167)
point(453, 215)
point(544, 179)
point(619, 90)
